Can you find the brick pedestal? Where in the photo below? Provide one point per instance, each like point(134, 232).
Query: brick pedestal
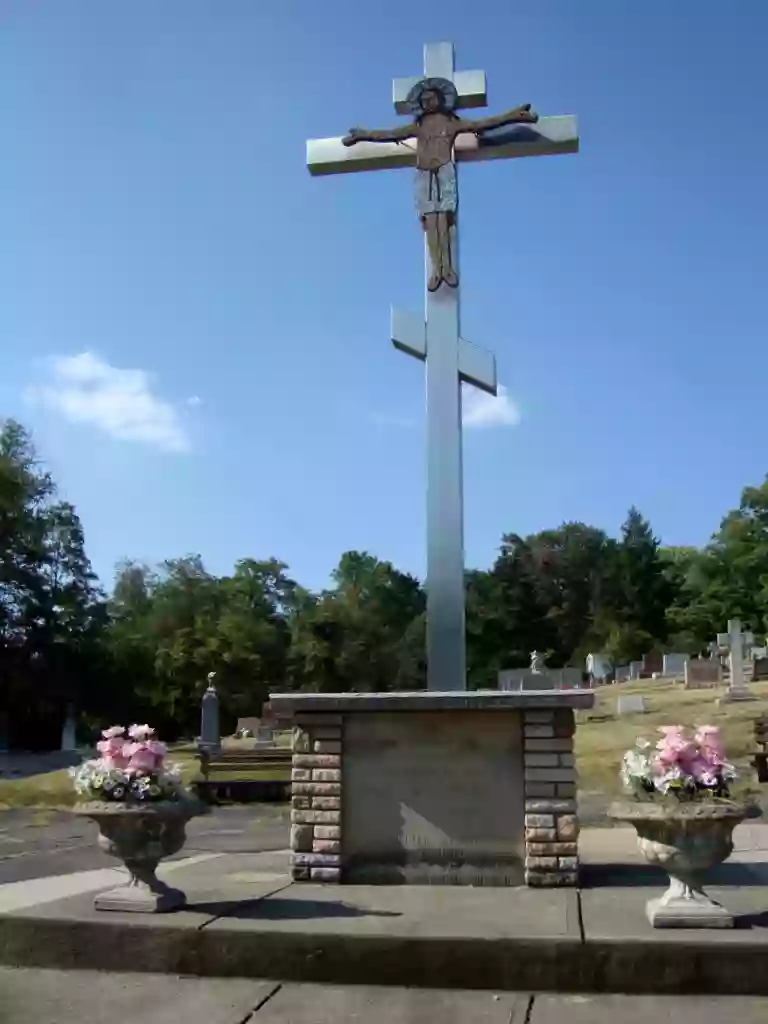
point(316, 780)
point(551, 822)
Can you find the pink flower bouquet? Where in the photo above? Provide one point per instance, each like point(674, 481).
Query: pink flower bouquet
point(131, 768)
point(688, 766)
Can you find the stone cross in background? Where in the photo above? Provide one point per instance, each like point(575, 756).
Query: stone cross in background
point(435, 338)
point(735, 641)
point(210, 735)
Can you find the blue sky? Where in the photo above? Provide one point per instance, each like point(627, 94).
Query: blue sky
point(156, 217)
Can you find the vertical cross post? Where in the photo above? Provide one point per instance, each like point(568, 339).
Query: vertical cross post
point(449, 360)
point(436, 338)
point(446, 657)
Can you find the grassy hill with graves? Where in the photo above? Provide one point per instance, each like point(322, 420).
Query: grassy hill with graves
point(601, 739)
point(603, 735)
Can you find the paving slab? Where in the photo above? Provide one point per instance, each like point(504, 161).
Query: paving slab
point(323, 1004)
point(616, 913)
point(412, 911)
point(617, 1009)
point(35, 892)
point(71, 997)
point(246, 919)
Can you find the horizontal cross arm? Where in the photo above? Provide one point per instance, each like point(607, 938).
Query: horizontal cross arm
point(470, 87)
point(477, 366)
point(549, 136)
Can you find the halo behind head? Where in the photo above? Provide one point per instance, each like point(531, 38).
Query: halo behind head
point(442, 86)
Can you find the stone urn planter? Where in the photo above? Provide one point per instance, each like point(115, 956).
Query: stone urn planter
point(141, 835)
point(686, 840)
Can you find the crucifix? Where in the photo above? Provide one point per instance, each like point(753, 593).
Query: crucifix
point(434, 142)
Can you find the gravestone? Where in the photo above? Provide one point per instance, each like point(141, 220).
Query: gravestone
point(674, 664)
point(653, 661)
point(635, 670)
point(621, 674)
point(736, 641)
point(631, 704)
point(702, 674)
point(210, 735)
point(760, 669)
point(599, 666)
point(568, 678)
point(69, 732)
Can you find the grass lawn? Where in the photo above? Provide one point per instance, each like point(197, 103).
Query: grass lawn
point(54, 789)
point(602, 736)
point(601, 739)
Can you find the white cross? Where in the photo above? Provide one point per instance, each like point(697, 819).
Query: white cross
point(736, 641)
point(436, 340)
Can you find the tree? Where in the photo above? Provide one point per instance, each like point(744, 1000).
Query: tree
point(51, 609)
point(366, 633)
point(643, 589)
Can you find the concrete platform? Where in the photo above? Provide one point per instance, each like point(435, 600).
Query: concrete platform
point(245, 919)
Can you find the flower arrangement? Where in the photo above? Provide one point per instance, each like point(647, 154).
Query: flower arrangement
point(131, 768)
point(686, 766)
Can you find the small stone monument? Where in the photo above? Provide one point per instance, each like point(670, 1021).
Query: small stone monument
point(69, 732)
point(210, 734)
point(674, 664)
point(631, 704)
point(538, 663)
point(703, 674)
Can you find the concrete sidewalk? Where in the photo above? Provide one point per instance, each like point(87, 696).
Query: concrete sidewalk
point(70, 997)
point(246, 919)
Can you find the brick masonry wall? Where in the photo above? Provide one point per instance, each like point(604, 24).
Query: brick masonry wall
point(551, 821)
point(316, 798)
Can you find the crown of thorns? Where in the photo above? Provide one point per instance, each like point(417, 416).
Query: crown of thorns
point(440, 85)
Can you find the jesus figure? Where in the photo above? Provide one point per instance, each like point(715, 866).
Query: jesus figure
point(435, 128)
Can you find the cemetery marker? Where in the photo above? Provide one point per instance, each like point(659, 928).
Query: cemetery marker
point(736, 641)
point(434, 142)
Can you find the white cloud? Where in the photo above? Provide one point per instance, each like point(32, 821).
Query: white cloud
point(483, 410)
point(86, 389)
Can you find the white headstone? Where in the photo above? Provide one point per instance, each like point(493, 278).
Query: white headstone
point(674, 664)
point(598, 665)
point(621, 675)
point(735, 641)
point(635, 668)
point(631, 704)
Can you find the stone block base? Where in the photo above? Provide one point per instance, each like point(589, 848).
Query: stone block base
point(686, 912)
point(435, 788)
point(140, 899)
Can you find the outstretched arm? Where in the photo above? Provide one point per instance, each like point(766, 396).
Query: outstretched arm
point(406, 131)
point(520, 115)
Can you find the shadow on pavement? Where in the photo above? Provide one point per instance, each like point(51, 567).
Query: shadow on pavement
point(595, 876)
point(282, 909)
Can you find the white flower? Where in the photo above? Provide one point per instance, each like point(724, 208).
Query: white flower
point(141, 732)
point(664, 781)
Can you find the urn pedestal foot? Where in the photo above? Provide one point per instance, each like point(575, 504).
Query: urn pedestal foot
point(150, 896)
point(687, 906)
